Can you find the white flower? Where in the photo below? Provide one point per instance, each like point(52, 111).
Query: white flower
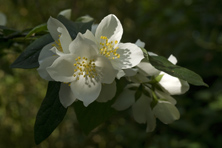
point(107, 38)
point(170, 84)
point(164, 110)
point(83, 69)
point(61, 42)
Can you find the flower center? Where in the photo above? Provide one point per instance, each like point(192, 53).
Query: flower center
point(85, 67)
point(107, 48)
point(58, 45)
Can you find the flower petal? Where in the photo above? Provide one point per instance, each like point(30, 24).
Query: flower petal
point(173, 85)
point(141, 109)
point(52, 26)
point(62, 69)
point(43, 65)
point(86, 90)
point(105, 68)
point(166, 96)
point(66, 13)
point(107, 93)
point(46, 52)
point(172, 59)
point(66, 96)
point(130, 56)
point(65, 39)
point(151, 121)
point(166, 112)
point(89, 35)
point(140, 43)
point(147, 69)
point(124, 100)
point(110, 27)
point(82, 46)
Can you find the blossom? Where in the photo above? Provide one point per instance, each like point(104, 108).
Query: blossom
point(171, 84)
point(107, 38)
point(51, 52)
point(142, 111)
point(83, 69)
point(61, 42)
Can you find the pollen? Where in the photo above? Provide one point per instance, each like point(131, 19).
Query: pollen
point(58, 45)
point(85, 68)
point(107, 48)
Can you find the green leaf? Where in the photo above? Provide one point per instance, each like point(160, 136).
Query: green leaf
point(29, 58)
point(37, 29)
point(74, 27)
point(163, 64)
point(50, 114)
point(93, 115)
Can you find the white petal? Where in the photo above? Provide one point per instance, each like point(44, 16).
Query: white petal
point(151, 121)
point(130, 56)
point(124, 100)
point(165, 95)
point(83, 47)
point(57, 52)
point(173, 85)
point(110, 27)
point(147, 69)
point(89, 35)
point(46, 52)
point(172, 59)
point(107, 93)
point(66, 13)
point(66, 96)
point(141, 109)
point(43, 65)
point(93, 28)
point(166, 112)
point(52, 26)
point(127, 72)
point(120, 74)
point(65, 39)
point(105, 68)
point(86, 90)
point(152, 54)
point(131, 71)
point(139, 78)
point(140, 43)
point(62, 69)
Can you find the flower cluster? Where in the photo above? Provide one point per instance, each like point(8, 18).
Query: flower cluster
point(89, 62)
point(150, 92)
point(88, 66)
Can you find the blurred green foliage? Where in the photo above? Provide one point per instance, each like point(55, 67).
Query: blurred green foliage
point(189, 29)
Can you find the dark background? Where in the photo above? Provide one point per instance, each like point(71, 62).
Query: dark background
point(189, 29)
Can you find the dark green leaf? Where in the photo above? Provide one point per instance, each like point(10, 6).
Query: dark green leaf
point(37, 29)
point(93, 115)
point(74, 27)
point(163, 64)
point(50, 114)
point(29, 58)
